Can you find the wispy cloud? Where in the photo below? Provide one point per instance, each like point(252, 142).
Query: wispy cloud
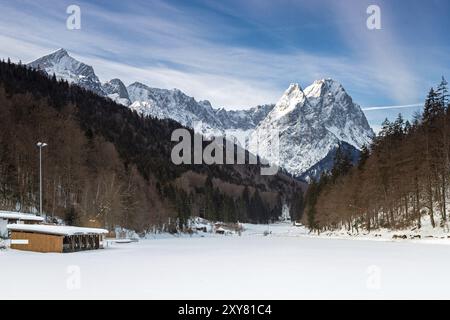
point(228, 75)
point(235, 55)
point(415, 105)
point(381, 50)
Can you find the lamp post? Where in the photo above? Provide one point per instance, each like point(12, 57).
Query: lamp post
point(40, 145)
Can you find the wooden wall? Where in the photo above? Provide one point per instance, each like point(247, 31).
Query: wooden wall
point(37, 242)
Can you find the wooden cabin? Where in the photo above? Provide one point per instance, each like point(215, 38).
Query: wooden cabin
point(49, 238)
point(7, 217)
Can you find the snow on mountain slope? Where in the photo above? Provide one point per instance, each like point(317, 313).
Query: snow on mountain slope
point(243, 119)
point(116, 90)
point(174, 104)
point(310, 124)
point(338, 113)
point(160, 103)
point(67, 68)
point(199, 115)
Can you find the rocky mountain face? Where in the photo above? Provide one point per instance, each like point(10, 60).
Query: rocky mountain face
point(199, 115)
point(243, 119)
point(64, 67)
point(310, 123)
point(174, 104)
point(116, 91)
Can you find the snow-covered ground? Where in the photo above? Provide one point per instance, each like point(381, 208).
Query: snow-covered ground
point(286, 264)
point(426, 234)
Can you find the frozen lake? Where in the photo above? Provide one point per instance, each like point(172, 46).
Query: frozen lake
point(232, 267)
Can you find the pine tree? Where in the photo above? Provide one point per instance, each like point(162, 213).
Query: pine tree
point(363, 156)
point(442, 93)
point(398, 126)
point(417, 119)
point(342, 163)
point(432, 109)
point(244, 204)
point(310, 205)
point(258, 211)
point(210, 209)
point(408, 127)
point(442, 149)
point(386, 128)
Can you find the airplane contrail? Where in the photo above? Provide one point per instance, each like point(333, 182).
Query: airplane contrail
point(393, 107)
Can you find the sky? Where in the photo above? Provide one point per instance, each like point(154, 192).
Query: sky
point(239, 54)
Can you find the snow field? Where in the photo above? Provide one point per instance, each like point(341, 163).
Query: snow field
point(286, 264)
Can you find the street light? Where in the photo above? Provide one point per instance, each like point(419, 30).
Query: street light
point(40, 145)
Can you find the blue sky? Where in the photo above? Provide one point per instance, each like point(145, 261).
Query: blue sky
point(239, 53)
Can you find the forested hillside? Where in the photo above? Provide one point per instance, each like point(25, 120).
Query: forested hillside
point(108, 166)
point(403, 177)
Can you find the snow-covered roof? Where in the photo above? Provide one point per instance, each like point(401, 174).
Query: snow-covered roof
point(55, 230)
point(19, 216)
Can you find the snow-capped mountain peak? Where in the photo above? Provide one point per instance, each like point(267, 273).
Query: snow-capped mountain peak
point(65, 67)
point(58, 54)
point(311, 124)
point(291, 98)
point(322, 87)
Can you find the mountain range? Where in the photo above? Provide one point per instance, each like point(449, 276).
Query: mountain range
point(311, 123)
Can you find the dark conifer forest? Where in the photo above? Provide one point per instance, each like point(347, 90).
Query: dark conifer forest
point(400, 180)
point(108, 166)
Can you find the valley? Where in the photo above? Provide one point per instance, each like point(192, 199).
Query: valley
point(224, 155)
